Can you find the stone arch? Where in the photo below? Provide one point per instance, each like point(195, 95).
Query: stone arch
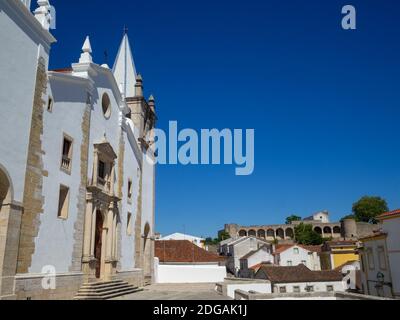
point(289, 233)
point(6, 188)
point(318, 230)
point(252, 233)
point(242, 233)
point(270, 233)
point(337, 230)
point(327, 230)
point(280, 233)
point(261, 234)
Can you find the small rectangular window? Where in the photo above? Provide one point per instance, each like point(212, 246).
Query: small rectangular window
point(66, 157)
point(296, 250)
point(310, 289)
point(102, 171)
point(282, 289)
point(290, 263)
point(130, 191)
point(304, 262)
point(382, 258)
point(370, 257)
point(129, 224)
point(50, 104)
point(329, 288)
point(296, 289)
point(63, 203)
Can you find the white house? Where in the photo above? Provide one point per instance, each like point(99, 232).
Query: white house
point(180, 236)
point(74, 161)
point(300, 279)
point(254, 258)
point(181, 261)
point(239, 248)
point(293, 255)
point(380, 258)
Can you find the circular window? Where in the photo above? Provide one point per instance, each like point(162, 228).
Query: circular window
point(106, 105)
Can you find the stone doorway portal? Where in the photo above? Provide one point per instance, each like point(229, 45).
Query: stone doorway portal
point(98, 243)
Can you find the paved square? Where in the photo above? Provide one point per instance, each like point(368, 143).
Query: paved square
point(177, 292)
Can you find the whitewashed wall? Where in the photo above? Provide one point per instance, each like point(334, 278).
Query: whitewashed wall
point(311, 258)
point(131, 171)
point(248, 287)
point(55, 241)
point(20, 49)
point(392, 227)
point(189, 273)
point(338, 286)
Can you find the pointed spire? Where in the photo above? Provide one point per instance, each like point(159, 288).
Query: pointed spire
point(86, 56)
point(124, 68)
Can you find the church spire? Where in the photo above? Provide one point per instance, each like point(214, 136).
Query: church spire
point(124, 68)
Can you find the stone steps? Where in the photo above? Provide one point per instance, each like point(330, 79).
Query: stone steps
point(105, 290)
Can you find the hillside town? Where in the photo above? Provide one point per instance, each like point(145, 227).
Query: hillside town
point(358, 260)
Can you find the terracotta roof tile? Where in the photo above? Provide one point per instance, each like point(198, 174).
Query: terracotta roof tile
point(390, 214)
point(183, 251)
point(298, 274)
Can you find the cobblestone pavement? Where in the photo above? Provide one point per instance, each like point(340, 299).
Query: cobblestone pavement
point(176, 292)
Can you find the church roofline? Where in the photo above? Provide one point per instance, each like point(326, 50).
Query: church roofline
point(27, 18)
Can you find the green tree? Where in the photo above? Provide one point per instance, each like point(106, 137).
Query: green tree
point(305, 235)
point(223, 236)
point(367, 209)
point(292, 218)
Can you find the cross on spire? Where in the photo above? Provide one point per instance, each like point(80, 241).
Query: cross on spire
point(126, 30)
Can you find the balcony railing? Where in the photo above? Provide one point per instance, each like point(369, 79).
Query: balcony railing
point(66, 163)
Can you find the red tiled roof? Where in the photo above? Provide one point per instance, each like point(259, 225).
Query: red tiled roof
point(183, 251)
point(390, 214)
point(63, 70)
point(258, 266)
point(297, 274)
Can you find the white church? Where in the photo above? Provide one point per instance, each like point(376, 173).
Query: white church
point(77, 184)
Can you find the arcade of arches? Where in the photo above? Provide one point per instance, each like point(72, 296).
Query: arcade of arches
point(286, 232)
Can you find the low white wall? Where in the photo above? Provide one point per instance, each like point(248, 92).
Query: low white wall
point(256, 287)
point(190, 273)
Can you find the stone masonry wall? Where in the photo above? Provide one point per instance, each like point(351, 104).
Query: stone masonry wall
point(33, 199)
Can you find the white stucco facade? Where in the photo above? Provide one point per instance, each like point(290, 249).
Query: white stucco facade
point(72, 157)
point(392, 227)
point(190, 273)
point(23, 42)
point(296, 255)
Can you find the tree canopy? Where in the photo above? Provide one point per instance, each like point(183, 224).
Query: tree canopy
point(305, 235)
point(292, 218)
point(367, 209)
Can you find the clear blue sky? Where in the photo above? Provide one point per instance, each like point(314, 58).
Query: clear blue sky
point(324, 102)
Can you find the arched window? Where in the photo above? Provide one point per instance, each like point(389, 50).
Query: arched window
point(261, 234)
point(280, 234)
point(242, 233)
point(318, 230)
point(327, 230)
point(252, 233)
point(289, 233)
point(270, 233)
point(337, 230)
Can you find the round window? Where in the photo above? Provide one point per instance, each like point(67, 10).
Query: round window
point(106, 105)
